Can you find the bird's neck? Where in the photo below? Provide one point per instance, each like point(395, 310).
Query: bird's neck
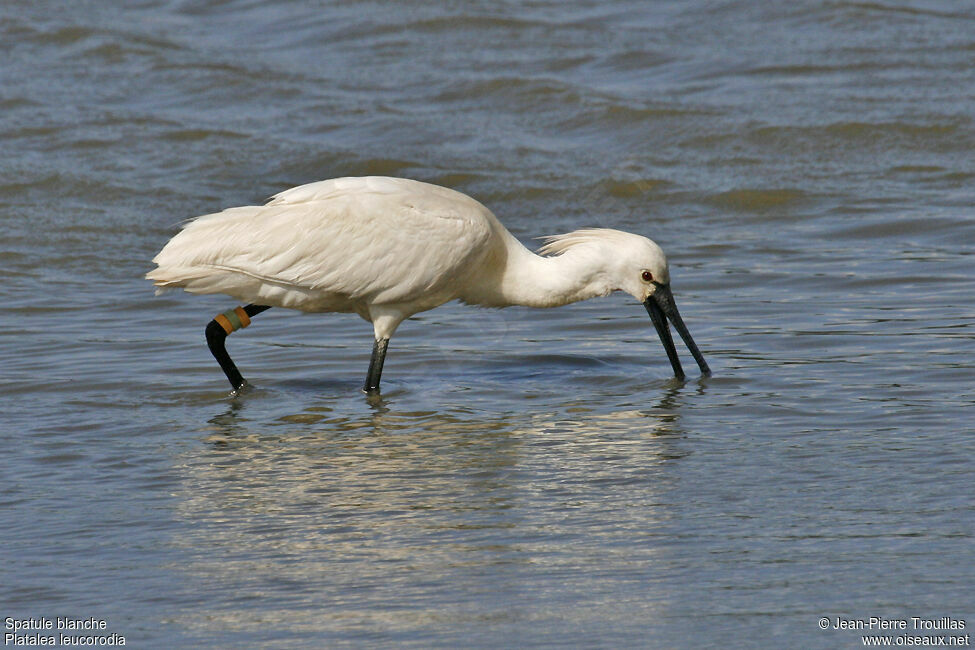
point(535, 281)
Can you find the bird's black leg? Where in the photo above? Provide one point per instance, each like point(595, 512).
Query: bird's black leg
point(376, 366)
point(217, 331)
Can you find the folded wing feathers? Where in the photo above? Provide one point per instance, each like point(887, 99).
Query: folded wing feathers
point(358, 238)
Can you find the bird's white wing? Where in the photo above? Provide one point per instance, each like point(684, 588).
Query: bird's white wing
point(375, 240)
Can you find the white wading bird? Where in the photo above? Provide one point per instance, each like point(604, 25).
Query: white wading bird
point(388, 248)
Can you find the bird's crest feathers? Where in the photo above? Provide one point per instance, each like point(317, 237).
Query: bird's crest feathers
point(558, 244)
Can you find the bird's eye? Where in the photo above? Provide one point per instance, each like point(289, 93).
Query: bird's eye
point(647, 276)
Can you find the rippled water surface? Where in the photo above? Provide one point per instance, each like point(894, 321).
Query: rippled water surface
point(528, 477)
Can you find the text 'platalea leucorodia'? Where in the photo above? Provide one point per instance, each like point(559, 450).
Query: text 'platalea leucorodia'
point(388, 248)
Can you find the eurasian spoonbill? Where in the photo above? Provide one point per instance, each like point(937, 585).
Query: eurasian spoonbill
point(388, 248)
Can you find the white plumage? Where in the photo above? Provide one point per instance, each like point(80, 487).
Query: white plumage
point(387, 248)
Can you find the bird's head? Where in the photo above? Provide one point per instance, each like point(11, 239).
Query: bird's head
point(645, 275)
point(638, 266)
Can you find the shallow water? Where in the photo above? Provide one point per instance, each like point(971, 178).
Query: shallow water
point(528, 477)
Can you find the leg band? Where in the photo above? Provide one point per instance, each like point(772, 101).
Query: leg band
point(233, 320)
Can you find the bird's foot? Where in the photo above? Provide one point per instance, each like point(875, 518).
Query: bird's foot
point(240, 390)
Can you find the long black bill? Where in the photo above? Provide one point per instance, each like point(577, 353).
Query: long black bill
point(661, 307)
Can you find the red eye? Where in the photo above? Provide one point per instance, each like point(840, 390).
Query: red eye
point(647, 276)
